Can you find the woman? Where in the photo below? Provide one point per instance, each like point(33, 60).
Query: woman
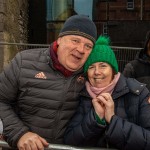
point(114, 111)
point(139, 68)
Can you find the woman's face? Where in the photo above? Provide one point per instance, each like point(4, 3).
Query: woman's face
point(100, 74)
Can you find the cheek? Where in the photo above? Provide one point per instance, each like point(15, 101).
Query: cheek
point(109, 77)
point(87, 54)
point(89, 74)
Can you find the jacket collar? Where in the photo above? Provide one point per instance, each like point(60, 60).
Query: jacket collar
point(126, 85)
point(123, 86)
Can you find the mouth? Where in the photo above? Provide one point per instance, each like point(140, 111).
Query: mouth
point(98, 79)
point(77, 57)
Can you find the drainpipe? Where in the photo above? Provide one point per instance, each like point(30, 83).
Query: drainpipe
point(141, 15)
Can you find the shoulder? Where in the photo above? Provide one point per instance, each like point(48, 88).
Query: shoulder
point(32, 54)
point(132, 63)
point(135, 86)
point(130, 85)
point(33, 51)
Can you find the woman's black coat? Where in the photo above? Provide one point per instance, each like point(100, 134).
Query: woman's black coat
point(139, 68)
point(129, 128)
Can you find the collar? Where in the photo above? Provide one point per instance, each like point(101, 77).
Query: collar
point(56, 63)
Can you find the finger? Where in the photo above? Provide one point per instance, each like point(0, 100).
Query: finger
point(44, 142)
point(39, 145)
point(95, 101)
point(107, 96)
point(32, 144)
point(27, 146)
point(21, 148)
point(103, 100)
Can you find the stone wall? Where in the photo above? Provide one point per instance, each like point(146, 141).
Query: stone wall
point(1, 33)
point(13, 27)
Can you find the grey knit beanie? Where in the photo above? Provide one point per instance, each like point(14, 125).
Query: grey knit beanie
point(79, 25)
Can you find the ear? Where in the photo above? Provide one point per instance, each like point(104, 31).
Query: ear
point(58, 40)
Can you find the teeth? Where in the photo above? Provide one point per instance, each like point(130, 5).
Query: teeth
point(98, 79)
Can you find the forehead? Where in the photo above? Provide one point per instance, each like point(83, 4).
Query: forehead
point(100, 63)
point(81, 38)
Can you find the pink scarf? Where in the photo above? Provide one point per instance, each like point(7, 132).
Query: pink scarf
point(94, 92)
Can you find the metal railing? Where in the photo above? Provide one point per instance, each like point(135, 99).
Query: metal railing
point(123, 54)
point(3, 144)
point(23, 46)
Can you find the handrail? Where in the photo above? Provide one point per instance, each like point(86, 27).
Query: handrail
point(23, 44)
point(57, 147)
point(47, 45)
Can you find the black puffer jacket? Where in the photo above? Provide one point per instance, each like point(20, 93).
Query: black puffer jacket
point(129, 128)
point(42, 97)
point(139, 68)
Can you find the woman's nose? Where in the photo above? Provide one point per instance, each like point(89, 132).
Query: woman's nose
point(97, 70)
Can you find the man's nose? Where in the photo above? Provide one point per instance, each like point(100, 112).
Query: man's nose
point(81, 47)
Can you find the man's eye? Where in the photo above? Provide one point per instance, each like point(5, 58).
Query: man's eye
point(75, 41)
point(88, 46)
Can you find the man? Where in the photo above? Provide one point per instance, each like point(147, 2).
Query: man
point(139, 68)
point(40, 87)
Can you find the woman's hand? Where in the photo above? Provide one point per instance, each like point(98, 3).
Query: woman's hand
point(98, 107)
point(108, 105)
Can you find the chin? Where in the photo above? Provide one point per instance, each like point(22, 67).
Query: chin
point(72, 69)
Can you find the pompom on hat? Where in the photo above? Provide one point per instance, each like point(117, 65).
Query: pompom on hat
point(79, 25)
point(102, 52)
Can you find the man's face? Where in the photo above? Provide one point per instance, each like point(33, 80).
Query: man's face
point(73, 51)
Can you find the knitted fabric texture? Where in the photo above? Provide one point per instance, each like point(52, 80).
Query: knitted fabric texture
point(80, 25)
point(102, 52)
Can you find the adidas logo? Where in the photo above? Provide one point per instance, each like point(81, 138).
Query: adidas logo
point(40, 75)
point(80, 79)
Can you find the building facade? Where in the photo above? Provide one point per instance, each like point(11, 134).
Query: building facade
point(125, 21)
point(39, 22)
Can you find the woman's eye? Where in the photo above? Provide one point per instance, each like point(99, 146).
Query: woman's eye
point(91, 67)
point(102, 66)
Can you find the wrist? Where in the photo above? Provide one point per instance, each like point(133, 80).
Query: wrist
point(99, 120)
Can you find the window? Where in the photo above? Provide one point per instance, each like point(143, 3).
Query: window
point(105, 28)
point(130, 4)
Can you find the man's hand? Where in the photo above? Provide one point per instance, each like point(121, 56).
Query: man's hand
point(32, 141)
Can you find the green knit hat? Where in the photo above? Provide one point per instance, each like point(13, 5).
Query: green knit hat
point(102, 52)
